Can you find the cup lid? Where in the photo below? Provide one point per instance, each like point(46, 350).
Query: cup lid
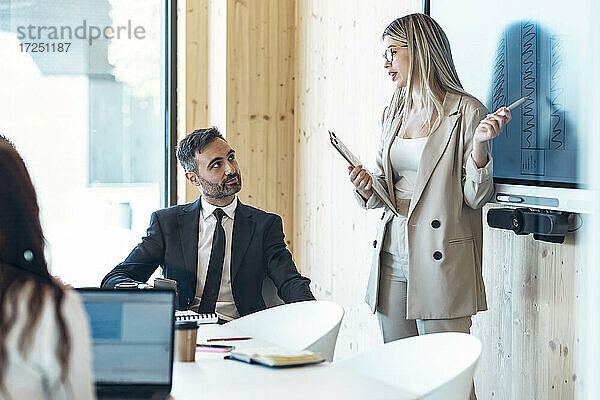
point(126, 285)
point(183, 325)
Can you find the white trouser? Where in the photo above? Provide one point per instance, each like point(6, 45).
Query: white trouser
point(391, 310)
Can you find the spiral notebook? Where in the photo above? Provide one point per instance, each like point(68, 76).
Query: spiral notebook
point(189, 315)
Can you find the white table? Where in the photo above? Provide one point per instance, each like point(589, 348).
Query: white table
point(213, 377)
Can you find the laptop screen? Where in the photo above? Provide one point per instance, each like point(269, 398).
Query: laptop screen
point(132, 335)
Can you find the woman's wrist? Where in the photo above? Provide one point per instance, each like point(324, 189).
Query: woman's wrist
point(365, 194)
point(479, 153)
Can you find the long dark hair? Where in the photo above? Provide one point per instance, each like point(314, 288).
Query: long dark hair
point(22, 261)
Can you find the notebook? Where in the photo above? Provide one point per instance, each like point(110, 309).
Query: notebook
point(189, 315)
point(275, 357)
point(132, 341)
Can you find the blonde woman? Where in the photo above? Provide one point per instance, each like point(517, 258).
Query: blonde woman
point(435, 164)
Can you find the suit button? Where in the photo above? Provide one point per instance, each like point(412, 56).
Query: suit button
point(383, 215)
point(435, 223)
point(437, 255)
point(374, 243)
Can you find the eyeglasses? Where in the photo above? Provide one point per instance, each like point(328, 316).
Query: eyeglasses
point(389, 52)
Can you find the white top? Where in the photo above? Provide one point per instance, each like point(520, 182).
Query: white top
point(405, 156)
point(225, 307)
point(37, 376)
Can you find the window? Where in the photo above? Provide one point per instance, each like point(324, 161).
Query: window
point(83, 97)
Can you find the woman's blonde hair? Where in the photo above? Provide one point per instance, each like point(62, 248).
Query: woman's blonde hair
point(430, 67)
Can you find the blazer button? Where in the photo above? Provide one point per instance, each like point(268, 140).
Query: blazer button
point(437, 255)
point(435, 223)
point(374, 243)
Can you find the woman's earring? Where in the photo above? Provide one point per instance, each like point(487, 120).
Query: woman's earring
point(28, 255)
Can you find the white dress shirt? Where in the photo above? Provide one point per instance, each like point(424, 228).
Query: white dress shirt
point(225, 307)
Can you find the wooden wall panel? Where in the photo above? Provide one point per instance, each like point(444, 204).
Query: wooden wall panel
point(342, 86)
point(196, 72)
point(240, 78)
point(196, 63)
point(529, 332)
point(260, 102)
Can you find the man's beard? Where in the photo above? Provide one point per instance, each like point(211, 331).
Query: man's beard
point(221, 190)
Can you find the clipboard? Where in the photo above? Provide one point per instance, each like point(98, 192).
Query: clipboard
point(378, 189)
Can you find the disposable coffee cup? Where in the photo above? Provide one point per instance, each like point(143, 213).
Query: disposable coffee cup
point(185, 340)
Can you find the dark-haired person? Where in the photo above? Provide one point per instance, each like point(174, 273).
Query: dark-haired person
point(4, 139)
point(44, 334)
point(218, 266)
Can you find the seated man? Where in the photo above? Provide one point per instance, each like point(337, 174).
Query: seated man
point(216, 248)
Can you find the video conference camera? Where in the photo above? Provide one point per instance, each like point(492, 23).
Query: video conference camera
point(547, 226)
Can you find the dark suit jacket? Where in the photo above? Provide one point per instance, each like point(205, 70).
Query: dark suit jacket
point(258, 249)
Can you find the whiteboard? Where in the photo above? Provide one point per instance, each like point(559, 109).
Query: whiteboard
point(509, 49)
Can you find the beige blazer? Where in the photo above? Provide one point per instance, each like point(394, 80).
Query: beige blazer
point(444, 224)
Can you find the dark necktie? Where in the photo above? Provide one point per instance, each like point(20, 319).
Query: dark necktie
point(215, 267)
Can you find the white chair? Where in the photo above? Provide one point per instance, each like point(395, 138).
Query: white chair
point(434, 367)
point(307, 325)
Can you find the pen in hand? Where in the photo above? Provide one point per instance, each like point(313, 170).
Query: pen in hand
point(518, 103)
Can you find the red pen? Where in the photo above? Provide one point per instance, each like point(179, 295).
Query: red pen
point(228, 338)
